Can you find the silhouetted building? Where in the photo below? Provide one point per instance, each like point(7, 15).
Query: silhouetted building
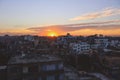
point(35, 67)
point(112, 65)
point(3, 75)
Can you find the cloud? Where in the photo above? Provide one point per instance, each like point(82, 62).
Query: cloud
point(63, 29)
point(104, 13)
point(85, 32)
point(110, 27)
point(117, 21)
point(9, 33)
point(58, 29)
point(17, 32)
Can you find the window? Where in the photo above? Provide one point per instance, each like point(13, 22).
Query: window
point(28, 78)
point(61, 77)
point(25, 69)
point(51, 67)
point(60, 66)
point(48, 67)
point(33, 68)
point(51, 77)
point(39, 68)
point(39, 78)
point(44, 67)
point(14, 69)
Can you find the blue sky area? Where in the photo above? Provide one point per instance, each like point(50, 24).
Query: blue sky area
point(30, 13)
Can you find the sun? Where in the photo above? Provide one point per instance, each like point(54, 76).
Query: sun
point(52, 34)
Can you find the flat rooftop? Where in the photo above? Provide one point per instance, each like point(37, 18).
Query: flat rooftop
point(3, 67)
point(18, 59)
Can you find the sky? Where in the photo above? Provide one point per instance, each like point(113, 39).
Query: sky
point(58, 17)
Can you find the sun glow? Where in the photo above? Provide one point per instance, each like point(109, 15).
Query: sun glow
point(52, 34)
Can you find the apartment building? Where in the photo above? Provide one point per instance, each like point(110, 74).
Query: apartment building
point(80, 47)
point(35, 67)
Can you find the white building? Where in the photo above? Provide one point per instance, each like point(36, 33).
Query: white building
point(114, 42)
point(102, 42)
point(65, 39)
point(80, 47)
point(118, 44)
point(94, 46)
point(29, 38)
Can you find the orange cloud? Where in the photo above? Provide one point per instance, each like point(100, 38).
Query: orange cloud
point(104, 13)
point(86, 32)
point(17, 32)
point(111, 27)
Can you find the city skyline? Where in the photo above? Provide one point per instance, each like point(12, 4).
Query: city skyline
point(54, 18)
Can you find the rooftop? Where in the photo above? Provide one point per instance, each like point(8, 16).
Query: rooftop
point(3, 67)
point(32, 59)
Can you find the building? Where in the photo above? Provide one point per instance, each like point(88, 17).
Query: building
point(65, 39)
point(114, 42)
point(35, 67)
point(112, 64)
point(101, 42)
point(3, 72)
point(29, 37)
point(80, 47)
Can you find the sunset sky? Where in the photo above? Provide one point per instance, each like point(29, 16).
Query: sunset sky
point(58, 17)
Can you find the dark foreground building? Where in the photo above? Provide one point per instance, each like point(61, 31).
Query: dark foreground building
point(35, 67)
point(3, 72)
